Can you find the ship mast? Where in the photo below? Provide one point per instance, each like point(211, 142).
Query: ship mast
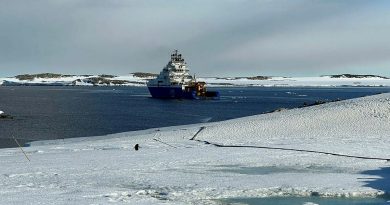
point(176, 57)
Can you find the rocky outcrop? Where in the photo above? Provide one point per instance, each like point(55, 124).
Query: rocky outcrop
point(357, 76)
point(44, 75)
point(5, 116)
point(144, 75)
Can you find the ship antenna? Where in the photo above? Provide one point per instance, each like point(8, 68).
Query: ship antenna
point(174, 55)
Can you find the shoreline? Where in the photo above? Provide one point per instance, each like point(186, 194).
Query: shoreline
point(143, 131)
point(140, 80)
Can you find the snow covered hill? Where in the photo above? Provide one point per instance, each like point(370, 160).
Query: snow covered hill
point(74, 80)
point(323, 81)
point(140, 79)
point(336, 149)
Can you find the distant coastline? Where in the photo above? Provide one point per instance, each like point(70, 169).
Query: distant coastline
point(141, 78)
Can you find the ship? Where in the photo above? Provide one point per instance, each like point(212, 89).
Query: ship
point(175, 82)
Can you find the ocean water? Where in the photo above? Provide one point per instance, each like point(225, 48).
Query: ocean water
point(306, 201)
point(41, 113)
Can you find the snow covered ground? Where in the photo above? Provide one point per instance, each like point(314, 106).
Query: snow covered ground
point(133, 80)
point(323, 81)
point(170, 168)
point(128, 80)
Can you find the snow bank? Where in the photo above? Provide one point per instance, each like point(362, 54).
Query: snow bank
point(170, 168)
point(343, 123)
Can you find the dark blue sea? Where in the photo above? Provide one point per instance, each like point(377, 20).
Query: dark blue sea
point(41, 113)
point(307, 200)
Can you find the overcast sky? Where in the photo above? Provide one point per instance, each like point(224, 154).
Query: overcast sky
point(217, 38)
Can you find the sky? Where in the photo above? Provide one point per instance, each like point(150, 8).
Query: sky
point(217, 38)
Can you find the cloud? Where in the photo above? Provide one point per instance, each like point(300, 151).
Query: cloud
point(229, 37)
point(335, 43)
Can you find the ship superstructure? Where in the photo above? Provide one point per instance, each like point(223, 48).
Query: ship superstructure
point(175, 81)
